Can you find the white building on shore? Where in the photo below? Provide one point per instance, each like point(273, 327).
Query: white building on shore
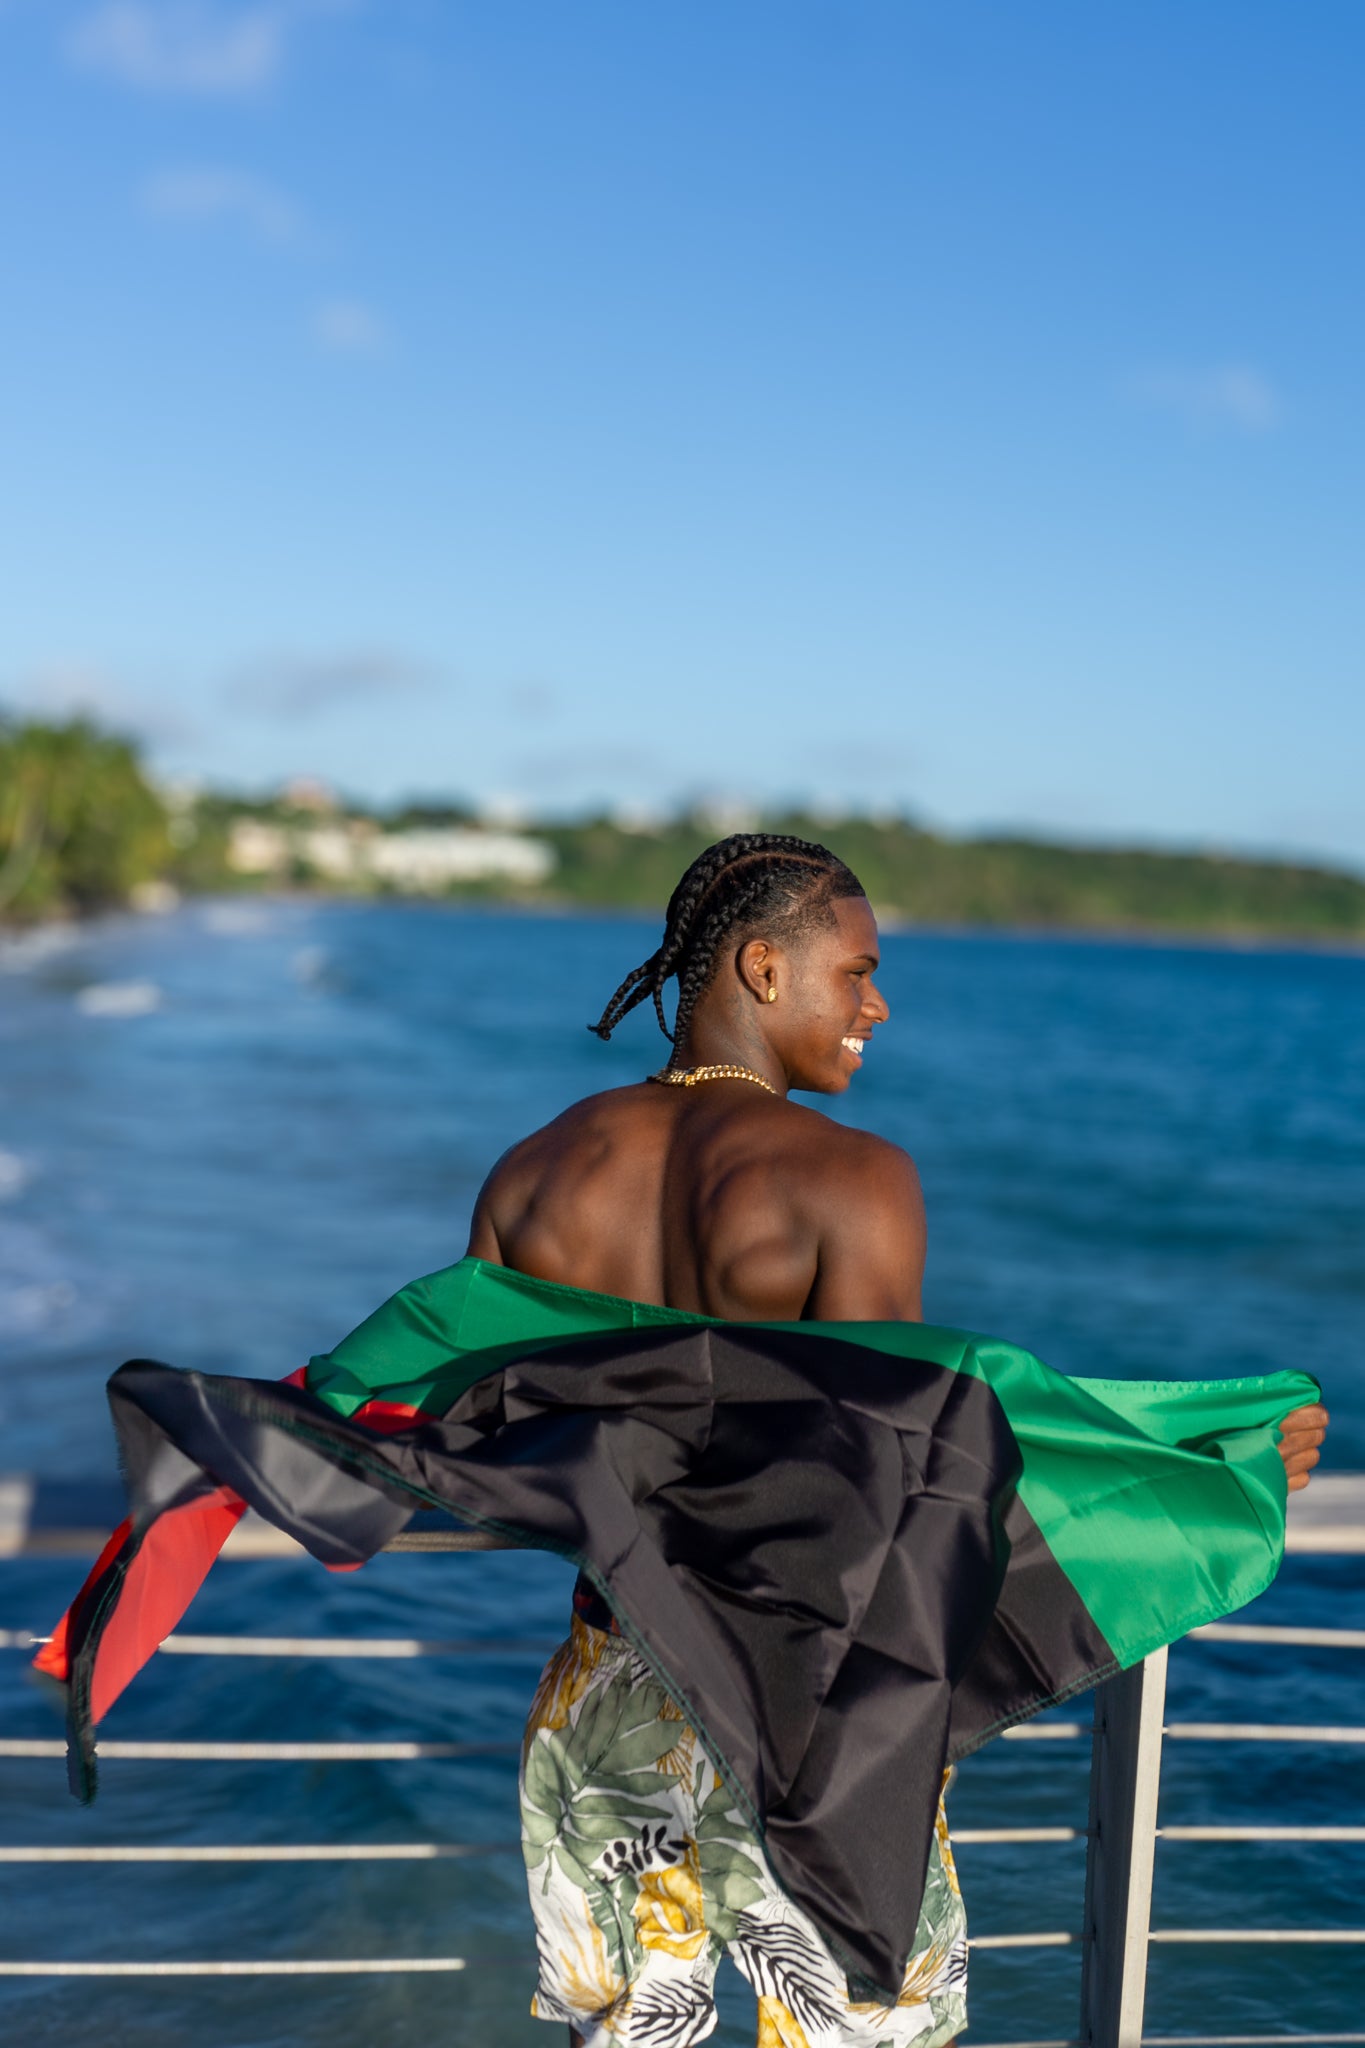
point(433, 856)
point(424, 860)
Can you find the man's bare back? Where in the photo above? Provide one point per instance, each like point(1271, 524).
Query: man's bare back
point(720, 1199)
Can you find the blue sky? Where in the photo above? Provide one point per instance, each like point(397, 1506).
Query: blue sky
point(955, 407)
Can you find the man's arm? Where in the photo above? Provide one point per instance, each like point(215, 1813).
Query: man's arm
point(483, 1238)
point(484, 1242)
point(870, 1264)
point(871, 1268)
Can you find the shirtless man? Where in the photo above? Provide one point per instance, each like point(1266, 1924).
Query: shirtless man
point(717, 1194)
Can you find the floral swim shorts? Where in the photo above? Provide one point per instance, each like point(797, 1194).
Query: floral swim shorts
point(643, 1875)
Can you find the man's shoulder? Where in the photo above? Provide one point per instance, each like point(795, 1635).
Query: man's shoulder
point(592, 1116)
point(852, 1160)
point(860, 1197)
point(608, 1110)
point(814, 1129)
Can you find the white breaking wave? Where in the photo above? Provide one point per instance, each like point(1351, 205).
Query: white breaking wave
point(310, 964)
point(37, 1295)
point(119, 998)
point(25, 950)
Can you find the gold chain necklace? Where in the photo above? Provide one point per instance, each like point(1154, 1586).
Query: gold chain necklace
point(688, 1077)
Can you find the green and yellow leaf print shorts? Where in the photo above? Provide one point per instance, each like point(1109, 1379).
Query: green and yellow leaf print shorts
point(643, 1875)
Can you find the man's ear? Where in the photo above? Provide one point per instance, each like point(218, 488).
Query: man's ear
point(757, 964)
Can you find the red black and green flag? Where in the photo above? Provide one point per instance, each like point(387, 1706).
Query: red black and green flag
point(852, 1551)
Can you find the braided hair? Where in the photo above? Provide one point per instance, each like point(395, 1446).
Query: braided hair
point(750, 879)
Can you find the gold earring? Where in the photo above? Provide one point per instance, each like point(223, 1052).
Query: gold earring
point(772, 993)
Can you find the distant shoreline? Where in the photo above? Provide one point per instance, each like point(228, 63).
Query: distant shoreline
point(72, 925)
point(101, 833)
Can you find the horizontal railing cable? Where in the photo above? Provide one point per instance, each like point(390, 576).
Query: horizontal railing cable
point(322, 1752)
point(358, 1646)
point(1259, 1834)
point(1260, 1731)
point(971, 1836)
point(1024, 1940)
point(264, 1752)
point(1314, 1935)
point(1297, 1638)
point(1047, 1731)
point(326, 1646)
point(370, 1966)
point(1244, 2041)
point(184, 1645)
point(1210, 2041)
point(257, 1852)
point(357, 1852)
point(362, 1852)
point(327, 1966)
point(399, 1752)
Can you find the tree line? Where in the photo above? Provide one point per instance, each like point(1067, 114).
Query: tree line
point(83, 828)
point(80, 824)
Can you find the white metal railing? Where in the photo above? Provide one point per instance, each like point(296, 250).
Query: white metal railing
point(1127, 1738)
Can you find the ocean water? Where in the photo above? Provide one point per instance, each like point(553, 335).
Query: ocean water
point(227, 1134)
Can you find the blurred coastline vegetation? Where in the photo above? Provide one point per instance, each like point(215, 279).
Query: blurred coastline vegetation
point(81, 827)
point(84, 828)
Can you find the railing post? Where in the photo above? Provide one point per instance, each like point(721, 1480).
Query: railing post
point(1125, 1776)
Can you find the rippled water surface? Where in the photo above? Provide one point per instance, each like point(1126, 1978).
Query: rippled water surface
point(226, 1135)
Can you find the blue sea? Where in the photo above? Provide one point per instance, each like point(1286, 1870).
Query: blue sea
point(227, 1134)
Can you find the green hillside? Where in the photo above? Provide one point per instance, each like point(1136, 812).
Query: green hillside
point(83, 828)
point(926, 879)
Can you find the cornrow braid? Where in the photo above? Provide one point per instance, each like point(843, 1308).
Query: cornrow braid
point(639, 983)
point(750, 877)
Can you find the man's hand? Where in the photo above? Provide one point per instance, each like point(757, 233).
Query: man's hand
point(1300, 1434)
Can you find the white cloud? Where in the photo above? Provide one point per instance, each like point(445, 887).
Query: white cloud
point(1225, 395)
point(302, 686)
point(214, 48)
point(207, 194)
point(182, 46)
point(349, 327)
